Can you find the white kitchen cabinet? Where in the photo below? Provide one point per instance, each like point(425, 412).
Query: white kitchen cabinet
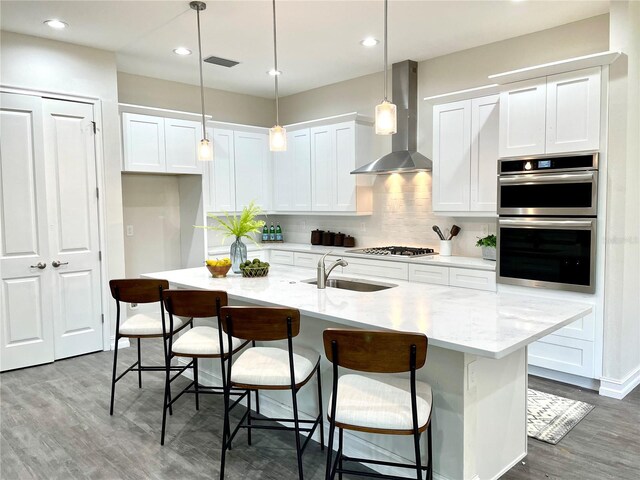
point(221, 174)
point(143, 143)
point(550, 115)
point(484, 153)
point(336, 150)
point(522, 118)
point(252, 169)
point(451, 156)
point(468, 278)
point(573, 111)
point(292, 173)
point(377, 268)
point(281, 257)
point(160, 145)
point(428, 274)
point(181, 139)
point(308, 260)
point(465, 156)
point(564, 354)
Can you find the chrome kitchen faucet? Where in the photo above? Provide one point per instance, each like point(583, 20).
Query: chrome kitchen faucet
point(323, 273)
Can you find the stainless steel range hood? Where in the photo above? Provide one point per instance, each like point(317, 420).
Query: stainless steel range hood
point(404, 157)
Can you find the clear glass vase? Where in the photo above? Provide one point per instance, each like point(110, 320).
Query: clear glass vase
point(238, 254)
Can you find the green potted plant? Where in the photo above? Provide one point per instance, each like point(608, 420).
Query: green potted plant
point(488, 245)
point(238, 226)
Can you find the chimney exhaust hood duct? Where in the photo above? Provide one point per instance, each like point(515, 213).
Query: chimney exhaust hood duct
point(404, 157)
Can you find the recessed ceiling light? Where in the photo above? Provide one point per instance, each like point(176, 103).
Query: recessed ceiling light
point(55, 23)
point(273, 72)
point(182, 51)
point(369, 42)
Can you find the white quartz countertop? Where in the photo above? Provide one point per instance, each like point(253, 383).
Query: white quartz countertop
point(475, 263)
point(488, 324)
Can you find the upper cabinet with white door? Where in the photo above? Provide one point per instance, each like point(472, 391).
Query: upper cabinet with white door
point(465, 156)
point(554, 114)
point(292, 173)
point(336, 150)
point(155, 144)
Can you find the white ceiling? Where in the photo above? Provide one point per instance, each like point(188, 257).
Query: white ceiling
point(318, 41)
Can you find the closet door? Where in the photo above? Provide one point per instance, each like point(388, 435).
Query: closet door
point(70, 161)
point(26, 328)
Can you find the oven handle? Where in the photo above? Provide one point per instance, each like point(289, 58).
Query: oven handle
point(533, 223)
point(548, 178)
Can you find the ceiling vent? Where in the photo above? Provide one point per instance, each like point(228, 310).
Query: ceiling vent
point(223, 62)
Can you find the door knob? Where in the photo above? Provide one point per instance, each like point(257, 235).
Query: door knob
point(57, 263)
point(40, 265)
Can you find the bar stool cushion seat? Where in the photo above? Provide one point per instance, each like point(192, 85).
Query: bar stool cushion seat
point(380, 402)
point(269, 366)
point(144, 324)
point(202, 341)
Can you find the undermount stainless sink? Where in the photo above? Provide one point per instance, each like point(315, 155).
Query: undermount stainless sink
point(355, 285)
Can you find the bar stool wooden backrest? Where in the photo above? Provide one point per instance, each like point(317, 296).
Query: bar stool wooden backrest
point(137, 290)
point(375, 351)
point(196, 304)
point(261, 324)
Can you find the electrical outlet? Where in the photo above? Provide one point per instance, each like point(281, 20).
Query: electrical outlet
point(129, 230)
point(363, 226)
point(485, 229)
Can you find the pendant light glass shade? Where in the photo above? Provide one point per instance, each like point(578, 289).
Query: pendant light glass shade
point(277, 139)
point(386, 118)
point(205, 151)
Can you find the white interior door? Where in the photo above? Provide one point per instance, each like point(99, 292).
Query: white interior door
point(26, 335)
point(73, 225)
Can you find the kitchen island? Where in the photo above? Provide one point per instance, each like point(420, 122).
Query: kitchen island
point(476, 361)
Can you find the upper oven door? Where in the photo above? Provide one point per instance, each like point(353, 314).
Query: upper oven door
point(570, 193)
point(554, 253)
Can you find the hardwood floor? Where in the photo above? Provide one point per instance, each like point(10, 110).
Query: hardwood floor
point(55, 424)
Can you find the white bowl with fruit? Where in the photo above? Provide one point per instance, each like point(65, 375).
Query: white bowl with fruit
point(219, 267)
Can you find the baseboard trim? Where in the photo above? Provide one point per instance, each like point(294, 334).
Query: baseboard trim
point(509, 467)
point(583, 382)
point(619, 389)
point(122, 343)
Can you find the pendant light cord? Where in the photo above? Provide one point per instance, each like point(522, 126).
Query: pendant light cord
point(385, 48)
point(275, 63)
point(204, 131)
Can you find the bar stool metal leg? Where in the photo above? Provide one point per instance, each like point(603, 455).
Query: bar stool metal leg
point(320, 410)
point(294, 394)
point(340, 432)
point(113, 378)
point(139, 366)
point(249, 419)
point(430, 452)
point(195, 382)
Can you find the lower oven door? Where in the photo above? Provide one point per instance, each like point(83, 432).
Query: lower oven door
point(547, 253)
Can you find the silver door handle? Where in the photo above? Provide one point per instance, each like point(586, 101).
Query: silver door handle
point(40, 265)
point(57, 263)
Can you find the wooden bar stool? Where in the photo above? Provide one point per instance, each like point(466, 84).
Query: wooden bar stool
point(198, 342)
point(269, 368)
point(139, 326)
point(383, 404)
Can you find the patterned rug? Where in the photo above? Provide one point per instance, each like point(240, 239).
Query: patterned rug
point(551, 417)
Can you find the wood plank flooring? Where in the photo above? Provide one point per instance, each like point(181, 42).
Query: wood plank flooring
point(55, 424)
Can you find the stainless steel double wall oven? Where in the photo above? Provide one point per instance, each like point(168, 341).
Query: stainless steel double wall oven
point(547, 209)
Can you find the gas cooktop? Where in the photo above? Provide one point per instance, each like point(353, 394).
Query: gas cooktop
point(397, 251)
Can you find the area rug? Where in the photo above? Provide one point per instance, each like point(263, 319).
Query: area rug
point(550, 417)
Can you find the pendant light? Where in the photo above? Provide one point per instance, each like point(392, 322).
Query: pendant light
point(386, 116)
point(277, 134)
point(204, 148)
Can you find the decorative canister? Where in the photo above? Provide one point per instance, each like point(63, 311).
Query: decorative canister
point(327, 238)
point(349, 241)
point(489, 253)
point(445, 248)
point(338, 240)
point(316, 237)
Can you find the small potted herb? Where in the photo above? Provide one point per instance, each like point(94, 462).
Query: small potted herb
point(488, 245)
